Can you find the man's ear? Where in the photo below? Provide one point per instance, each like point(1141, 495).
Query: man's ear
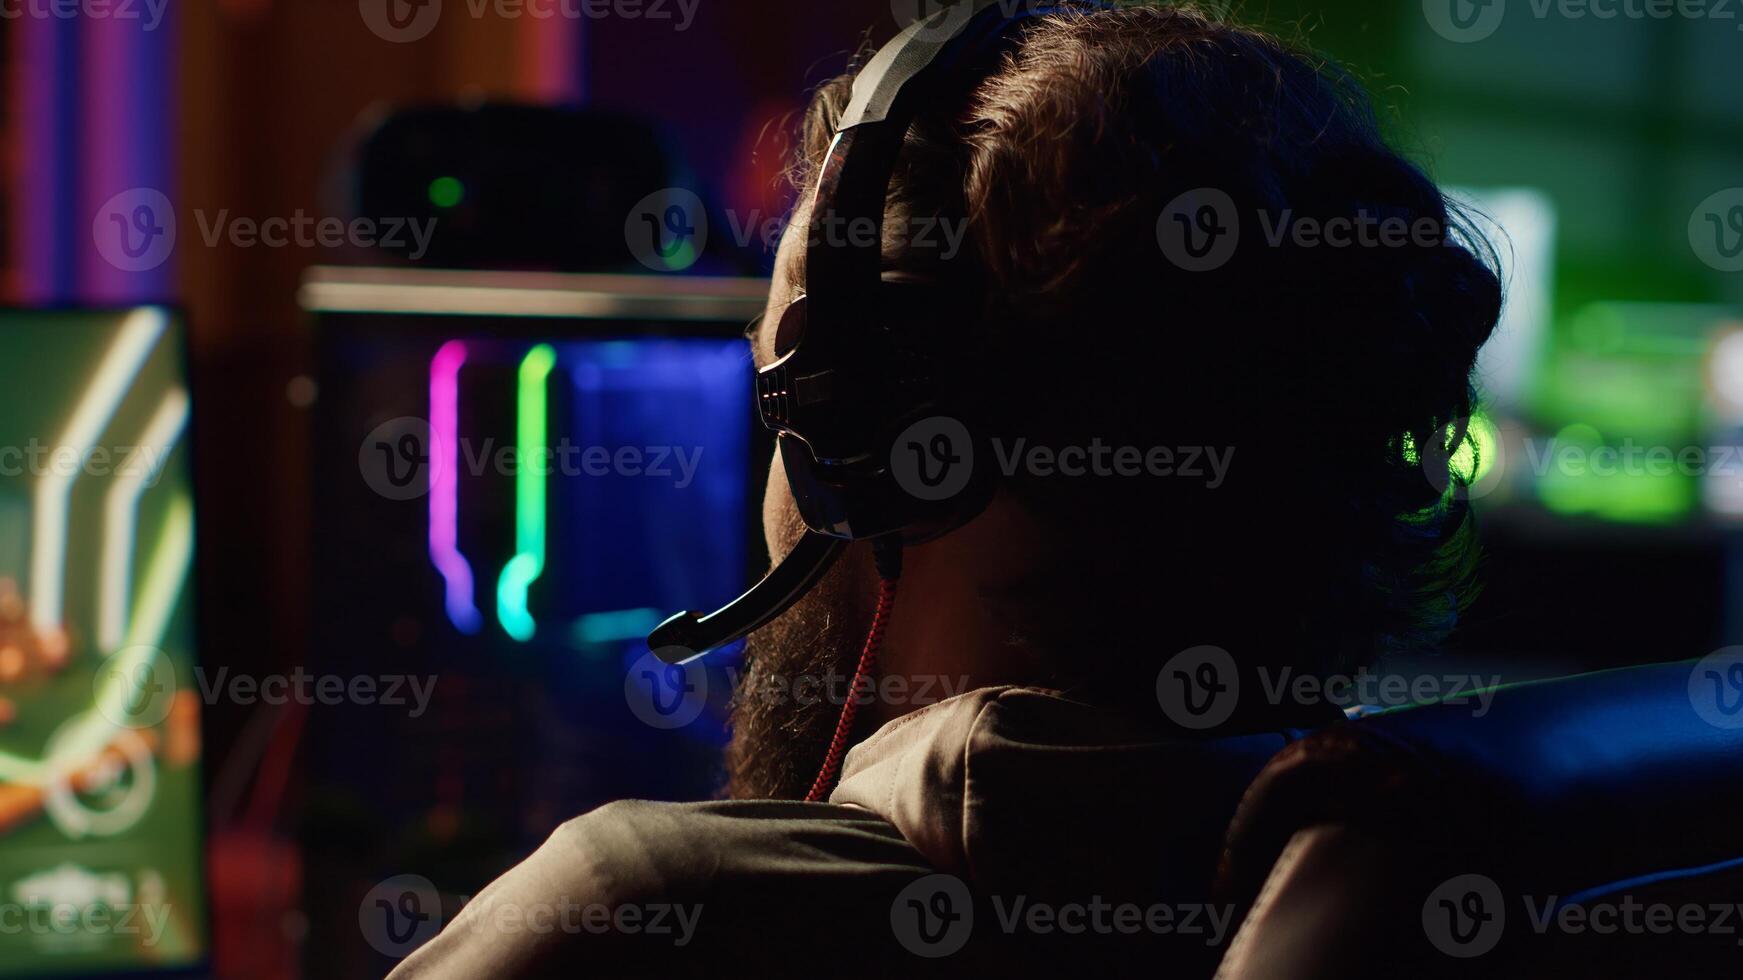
point(996, 561)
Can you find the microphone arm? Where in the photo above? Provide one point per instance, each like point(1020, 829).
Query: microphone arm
point(688, 635)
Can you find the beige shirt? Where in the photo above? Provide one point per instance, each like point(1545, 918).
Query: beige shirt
point(1004, 829)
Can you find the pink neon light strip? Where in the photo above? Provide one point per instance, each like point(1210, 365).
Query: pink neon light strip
point(445, 487)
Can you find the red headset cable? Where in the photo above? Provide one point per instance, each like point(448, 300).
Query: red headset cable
point(888, 553)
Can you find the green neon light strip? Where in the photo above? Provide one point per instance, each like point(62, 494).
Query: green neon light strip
point(529, 497)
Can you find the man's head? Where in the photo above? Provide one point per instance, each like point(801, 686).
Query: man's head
point(1139, 208)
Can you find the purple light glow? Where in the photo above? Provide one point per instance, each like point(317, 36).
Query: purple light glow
point(445, 487)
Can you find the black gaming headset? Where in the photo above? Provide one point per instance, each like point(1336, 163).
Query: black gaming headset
point(852, 387)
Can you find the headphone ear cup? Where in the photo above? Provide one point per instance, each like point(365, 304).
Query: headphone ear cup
point(791, 328)
point(943, 469)
point(932, 476)
point(869, 443)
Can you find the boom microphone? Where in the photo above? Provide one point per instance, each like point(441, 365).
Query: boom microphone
point(689, 635)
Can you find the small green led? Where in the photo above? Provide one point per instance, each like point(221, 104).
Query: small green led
point(447, 192)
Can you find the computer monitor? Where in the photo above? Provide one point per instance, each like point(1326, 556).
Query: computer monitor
point(100, 844)
point(515, 477)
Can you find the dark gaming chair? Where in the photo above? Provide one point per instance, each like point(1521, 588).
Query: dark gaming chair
point(1429, 842)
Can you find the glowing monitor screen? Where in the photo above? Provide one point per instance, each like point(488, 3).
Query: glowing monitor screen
point(515, 476)
point(100, 865)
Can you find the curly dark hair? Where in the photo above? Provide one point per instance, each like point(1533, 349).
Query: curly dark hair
point(1320, 368)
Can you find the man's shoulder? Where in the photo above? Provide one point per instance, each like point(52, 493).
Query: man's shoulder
point(627, 848)
point(634, 883)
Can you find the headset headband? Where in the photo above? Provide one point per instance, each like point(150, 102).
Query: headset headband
point(930, 60)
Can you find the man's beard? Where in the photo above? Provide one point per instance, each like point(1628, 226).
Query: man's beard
point(796, 672)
